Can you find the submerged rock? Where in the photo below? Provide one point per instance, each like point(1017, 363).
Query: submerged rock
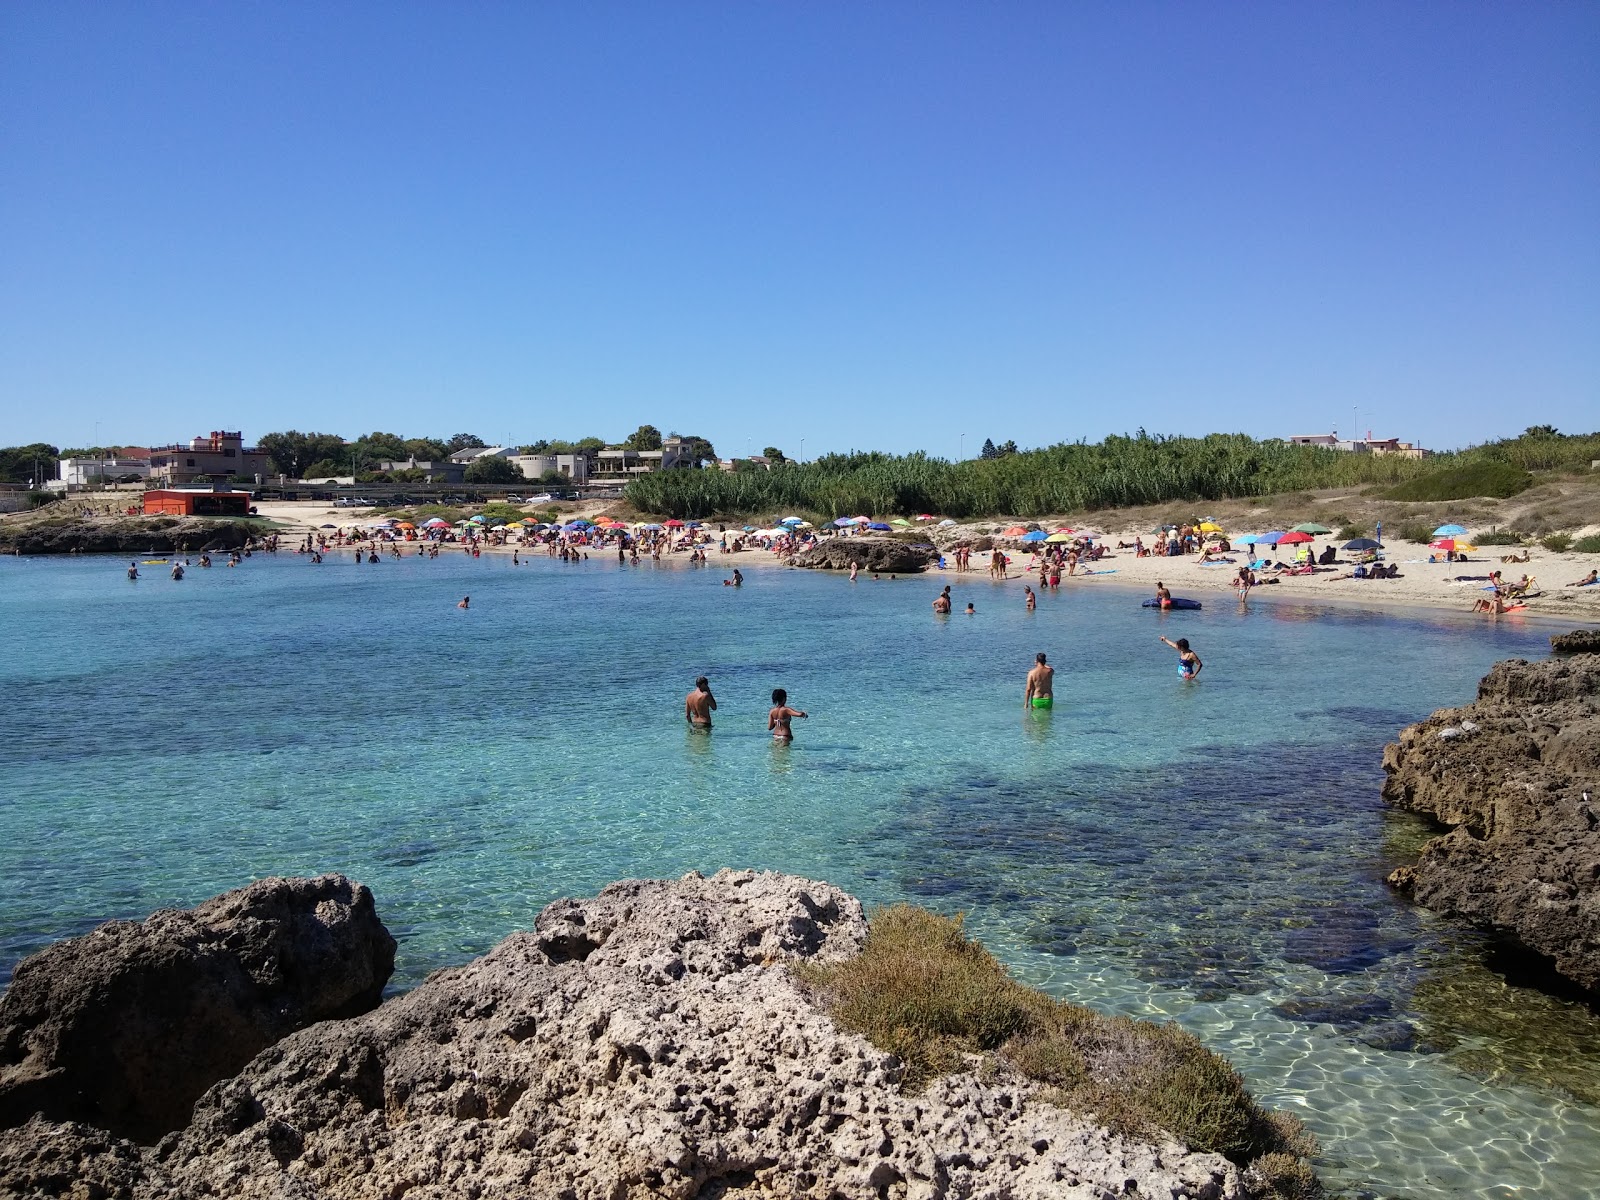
point(1514, 779)
point(884, 555)
point(125, 1027)
point(650, 1042)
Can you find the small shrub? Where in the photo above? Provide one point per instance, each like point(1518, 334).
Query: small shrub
point(1560, 543)
point(1588, 545)
point(923, 991)
point(1354, 531)
point(1414, 531)
point(1500, 480)
point(1499, 539)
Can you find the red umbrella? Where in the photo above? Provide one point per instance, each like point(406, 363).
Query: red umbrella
point(673, 524)
point(1296, 536)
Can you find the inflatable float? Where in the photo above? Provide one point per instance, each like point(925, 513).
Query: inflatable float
point(1177, 602)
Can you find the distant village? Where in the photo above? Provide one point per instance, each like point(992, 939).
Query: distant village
point(221, 459)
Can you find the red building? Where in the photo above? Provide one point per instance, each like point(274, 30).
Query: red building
point(196, 504)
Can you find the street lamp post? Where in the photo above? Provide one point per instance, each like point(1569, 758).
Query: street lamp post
point(962, 456)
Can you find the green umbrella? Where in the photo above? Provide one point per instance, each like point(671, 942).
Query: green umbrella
point(1312, 527)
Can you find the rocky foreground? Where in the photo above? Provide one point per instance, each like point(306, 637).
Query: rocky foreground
point(650, 1042)
point(1514, 779)
point(35, 533)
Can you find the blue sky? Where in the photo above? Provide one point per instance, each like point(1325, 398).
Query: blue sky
point(880, 225)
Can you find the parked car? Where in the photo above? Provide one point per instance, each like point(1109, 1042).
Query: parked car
point(542, 498)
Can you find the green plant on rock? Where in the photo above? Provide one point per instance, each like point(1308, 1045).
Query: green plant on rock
point(925, 992)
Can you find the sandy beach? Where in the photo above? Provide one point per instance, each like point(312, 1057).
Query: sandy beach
point(1421, 584)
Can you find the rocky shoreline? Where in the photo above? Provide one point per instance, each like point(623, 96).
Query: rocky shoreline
point(884, 556)
point(123, 535)
point(1513, 780)
point(653, 1041)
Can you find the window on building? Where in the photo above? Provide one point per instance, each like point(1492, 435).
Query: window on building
point(228, 453)
point(190, 462)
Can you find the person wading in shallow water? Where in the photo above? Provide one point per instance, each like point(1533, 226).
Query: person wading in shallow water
point(781, 715)
point(465, 602)
point(699, 704)
point(1040, 692)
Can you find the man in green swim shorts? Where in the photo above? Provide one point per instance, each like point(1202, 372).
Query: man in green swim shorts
point(1041, 684)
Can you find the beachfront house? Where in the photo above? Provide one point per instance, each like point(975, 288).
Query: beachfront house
point(573, 468)
point(77, 473)
point(617, 464)
point(438, 471)
point(194, 502)
point(217, 457)
point(470, 454)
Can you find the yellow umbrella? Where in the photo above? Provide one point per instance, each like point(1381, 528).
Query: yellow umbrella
point(1208, 527)
point(1059, 537)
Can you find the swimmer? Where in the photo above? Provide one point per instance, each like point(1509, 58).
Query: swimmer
point(1040, 692)
point(133, 570)
point(941, 602)
point(1028, 592)
point(699, 704)
point(780, 716)
point(971, 611)
point(177, 570)
point(465, 602)
point(1189, 663)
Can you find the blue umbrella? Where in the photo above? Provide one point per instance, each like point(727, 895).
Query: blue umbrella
point(657, 528)
point(791, 521)
point(1449, 530)
point(1038, 535)
point(1271, 538)
point(842, 521)
point(1363, 544)
point(877, 525)
point(1248, 539)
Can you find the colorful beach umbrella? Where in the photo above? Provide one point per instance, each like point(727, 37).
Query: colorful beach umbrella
point(843, 521)
point(1449, 530)
point(1313, 527)
point(901, 521)
point(1015, 531)
point(1059, 536)
point(1038, 535)
point(1209, 527)
point(879, 525)
point(925, 516)
point(790, 521)
point(673, 524)
point(1293, 537)
point(430, 523)
point(1270, 538)
point(1363, 544)
point(946, 521)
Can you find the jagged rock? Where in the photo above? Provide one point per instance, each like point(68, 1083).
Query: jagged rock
point(1579, 641)
point(122, 535)
point(650, 1042)
point(1514, 779)
point(125, 1027)
point(884, 555)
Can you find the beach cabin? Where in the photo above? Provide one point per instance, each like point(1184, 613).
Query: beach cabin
point(196, 504)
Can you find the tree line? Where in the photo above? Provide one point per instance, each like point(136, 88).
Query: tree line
point(1073, 477)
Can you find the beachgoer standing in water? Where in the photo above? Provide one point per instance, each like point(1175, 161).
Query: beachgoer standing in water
point(1163, 597)
point(941, 602)
point(1040, 692)
point(1189, 663)
point(699, 704)
point(465, 602)
point(780, 716)
point(1028, 591)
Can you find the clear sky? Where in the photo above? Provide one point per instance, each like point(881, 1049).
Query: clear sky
point(868, 225)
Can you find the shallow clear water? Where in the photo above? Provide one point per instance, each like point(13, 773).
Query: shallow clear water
point(1212, 853)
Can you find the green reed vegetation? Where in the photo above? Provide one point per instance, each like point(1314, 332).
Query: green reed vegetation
point(1072, 477)
point(925, 992)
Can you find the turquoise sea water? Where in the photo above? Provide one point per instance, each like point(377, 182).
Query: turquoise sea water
point(1212, 853)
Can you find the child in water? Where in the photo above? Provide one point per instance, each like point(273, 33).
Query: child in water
point(1189, 663)
point(780, 716)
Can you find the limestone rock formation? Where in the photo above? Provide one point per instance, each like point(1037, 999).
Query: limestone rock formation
point(1579, 641)
point(1514, 778)
point(120, 535)
point(125, 1027)
point(650, 1042)
point(884, 555)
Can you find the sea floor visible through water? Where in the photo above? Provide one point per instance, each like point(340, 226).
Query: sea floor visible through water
point(1211, 853)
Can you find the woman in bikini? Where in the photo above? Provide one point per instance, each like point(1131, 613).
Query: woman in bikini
point(781, 715)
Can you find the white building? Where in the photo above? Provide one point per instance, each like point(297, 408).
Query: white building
point(615, 463)
point(574, 468)
point(470, 453)
point(78, 472)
